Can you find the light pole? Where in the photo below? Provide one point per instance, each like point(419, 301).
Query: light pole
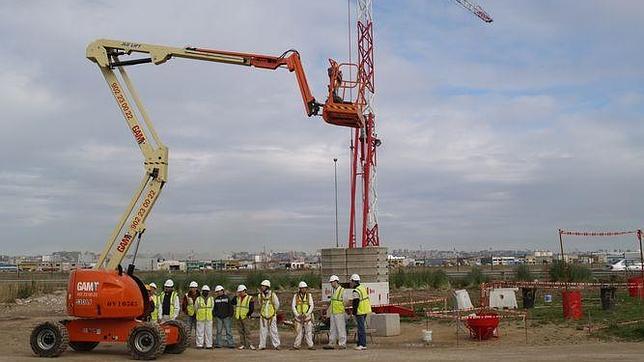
point(335, 171)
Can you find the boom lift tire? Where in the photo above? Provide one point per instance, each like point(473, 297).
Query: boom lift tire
point(184, 337)
point(83, 346)
point(146, 341)
point(49, 339)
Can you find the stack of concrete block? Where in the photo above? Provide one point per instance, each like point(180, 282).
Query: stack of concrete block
point(334, 262)
point(370, 263)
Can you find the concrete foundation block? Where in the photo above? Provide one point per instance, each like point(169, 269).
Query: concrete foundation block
point(385, 324)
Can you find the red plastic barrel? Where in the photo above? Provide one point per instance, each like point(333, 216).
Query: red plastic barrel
point(572, 306)
point(482, 326)
point(636, 287)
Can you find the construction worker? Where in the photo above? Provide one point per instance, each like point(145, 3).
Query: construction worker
point(223, 313)
point(187, 304)
point(169, 302)
point(361, 308)
point(244, 307)
point(336, 314)
point(302, 306)
point(154, 300)
point(269, 304)
point(203, 305)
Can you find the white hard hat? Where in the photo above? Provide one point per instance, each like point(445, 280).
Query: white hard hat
point(355, 277)
point(241, 288)
point(266, 283)
point(334, 278)
point(169, 283)
point(152, 285)
point(219, 288)
point(193, 284)
point(302, 285)
point(205, 287)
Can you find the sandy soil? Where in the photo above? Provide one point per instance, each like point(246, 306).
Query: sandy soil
point(545, 343)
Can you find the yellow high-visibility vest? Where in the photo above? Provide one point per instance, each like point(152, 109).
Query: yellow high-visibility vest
point(155, 312)
point(190, 308)
point(204, 307)
point(364, 307)
point(302, 305)
point(242, 307)
point(267, 307)
point(172, 299)
point(337, 301)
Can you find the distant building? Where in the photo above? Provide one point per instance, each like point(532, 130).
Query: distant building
point(228, 264)
point(6, 267)
point(543, 256)
point(436, 261)
point(499, 260)
point(171, 265)
point(395, 261)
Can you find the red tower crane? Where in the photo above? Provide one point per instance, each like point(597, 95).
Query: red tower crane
point(365, 140)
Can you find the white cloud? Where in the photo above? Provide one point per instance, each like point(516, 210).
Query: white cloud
point(493, 134)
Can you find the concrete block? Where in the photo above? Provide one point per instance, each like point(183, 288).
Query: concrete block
point(333, 251)
point(367, 251)
point(385, 324)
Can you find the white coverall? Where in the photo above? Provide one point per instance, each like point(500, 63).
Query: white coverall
point(203, 312)
point(268, 326)
point(338, 326)
point(303, 320)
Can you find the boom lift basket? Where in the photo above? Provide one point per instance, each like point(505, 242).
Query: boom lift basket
point(343, 106)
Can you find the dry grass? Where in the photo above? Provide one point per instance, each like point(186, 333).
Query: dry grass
point(9, 292)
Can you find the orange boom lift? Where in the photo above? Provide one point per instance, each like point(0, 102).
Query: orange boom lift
point(108, 303)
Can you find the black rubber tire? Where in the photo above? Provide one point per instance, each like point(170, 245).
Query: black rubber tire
point(83, 346)
point(49, 339)
point(146, 341)
point(184, 337)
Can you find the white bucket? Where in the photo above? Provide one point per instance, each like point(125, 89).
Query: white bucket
point(427, 336)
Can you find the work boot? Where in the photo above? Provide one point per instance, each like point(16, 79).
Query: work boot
point(277, 348)
point(328, 346)
point(311, 348)
point(295, 348)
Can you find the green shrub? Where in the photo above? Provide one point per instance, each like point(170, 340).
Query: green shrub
point(475, 277)
point(254, 278)
point(313, 280)
point(419, 278)
point(397, 279)
point(571, 273)
point(440, 279)
point(523, 273)
point(579, 273)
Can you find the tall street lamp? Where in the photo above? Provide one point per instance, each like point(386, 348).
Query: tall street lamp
point(335, 169)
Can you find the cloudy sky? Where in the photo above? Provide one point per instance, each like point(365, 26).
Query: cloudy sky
point(494, 135)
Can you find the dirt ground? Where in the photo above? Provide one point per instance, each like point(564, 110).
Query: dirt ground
point(545, 342)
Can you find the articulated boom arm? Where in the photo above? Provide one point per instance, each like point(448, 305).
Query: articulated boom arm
point(108, 54)
point(100, 51)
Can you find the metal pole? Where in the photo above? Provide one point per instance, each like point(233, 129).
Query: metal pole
point(561, 246)
point(639, 237)
point(335, 169)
